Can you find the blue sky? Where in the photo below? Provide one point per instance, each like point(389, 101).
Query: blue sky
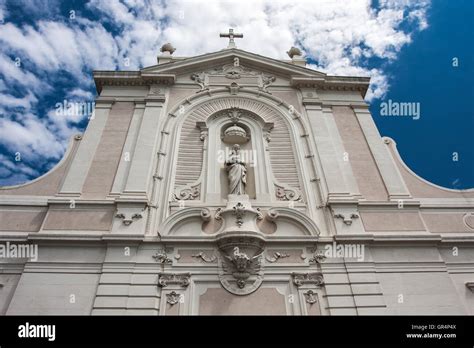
point(48, 50)
point(424, 73)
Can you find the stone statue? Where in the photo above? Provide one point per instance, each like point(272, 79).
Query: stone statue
point(237, 172)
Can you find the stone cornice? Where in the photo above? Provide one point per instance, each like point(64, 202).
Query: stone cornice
point(336, 83)
point(451, 205)
point(131, 78)
point(78, 201)
point(365, 238)
point(220, 56)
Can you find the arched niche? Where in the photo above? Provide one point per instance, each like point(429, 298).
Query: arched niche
point(272, 137)
point(253, 152)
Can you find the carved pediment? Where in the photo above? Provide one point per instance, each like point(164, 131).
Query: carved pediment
point(222, 61)
point(232, 71)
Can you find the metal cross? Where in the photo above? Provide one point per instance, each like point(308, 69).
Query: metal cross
point(231, 35)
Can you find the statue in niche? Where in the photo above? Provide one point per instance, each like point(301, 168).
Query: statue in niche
point(237, 172)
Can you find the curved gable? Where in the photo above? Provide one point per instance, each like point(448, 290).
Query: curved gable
point(49, 183)
point(419, 187)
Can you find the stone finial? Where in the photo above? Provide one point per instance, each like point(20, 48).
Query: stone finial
point(167, 47)
point(294, 51)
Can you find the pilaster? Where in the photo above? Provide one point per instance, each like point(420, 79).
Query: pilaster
point(143, 158)
point(76, 176)
point(337, 172)
point(388, 170)
point(128, 149)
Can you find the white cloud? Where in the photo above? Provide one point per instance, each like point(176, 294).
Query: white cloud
point(55, 45)
point(31, 138)
point(340, 36)
point(3, 10)
point(12, 179)
point(38, 8)
point(9, 166)
point(26, 102)
point(18, 75)
point(80, 94)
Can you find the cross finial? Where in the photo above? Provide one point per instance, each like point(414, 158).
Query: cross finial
point(231, 35)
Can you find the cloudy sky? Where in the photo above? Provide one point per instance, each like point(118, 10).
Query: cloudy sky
point(48, 50)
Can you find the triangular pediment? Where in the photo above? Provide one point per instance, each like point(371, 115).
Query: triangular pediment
point(264, 69)
point(222, 61)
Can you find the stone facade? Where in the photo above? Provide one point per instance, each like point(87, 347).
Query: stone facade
point(138, 218)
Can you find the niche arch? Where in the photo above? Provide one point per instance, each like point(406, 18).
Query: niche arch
point(269, 129)
point(180, 124)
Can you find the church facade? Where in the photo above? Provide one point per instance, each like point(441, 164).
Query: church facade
point(233, 183)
